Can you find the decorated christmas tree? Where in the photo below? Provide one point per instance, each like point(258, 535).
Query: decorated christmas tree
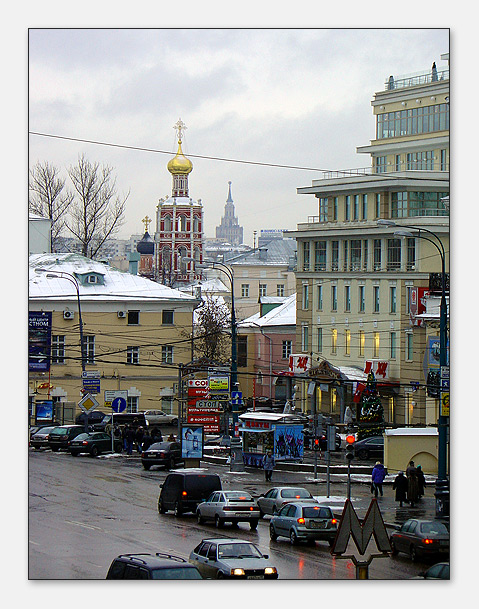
point(371, 419)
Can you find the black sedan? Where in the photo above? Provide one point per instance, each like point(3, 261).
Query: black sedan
point(421, 538)
point(167, 454)
point(370, 448)
point(94, 444)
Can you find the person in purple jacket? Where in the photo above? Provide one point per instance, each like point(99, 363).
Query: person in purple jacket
point(377, 478)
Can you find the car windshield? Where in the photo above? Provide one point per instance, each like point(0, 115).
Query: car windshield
point(43, 430)
point(433, 528)
point(238, 550)
point(82, 436)
point(288, 493)
point(159, 446)
point(61, 431)
point(316, 512)
point(176, 573)
point(238, 496)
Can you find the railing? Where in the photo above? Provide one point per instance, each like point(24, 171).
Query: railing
point(419, 78)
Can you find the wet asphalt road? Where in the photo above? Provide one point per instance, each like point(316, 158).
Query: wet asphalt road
point(83, 512)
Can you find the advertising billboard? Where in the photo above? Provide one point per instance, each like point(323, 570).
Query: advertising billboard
point(288, 442)
point(39, 340)
point(192, 442)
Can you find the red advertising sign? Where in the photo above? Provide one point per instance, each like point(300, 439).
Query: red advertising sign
point(209, 421)
point(197, 388)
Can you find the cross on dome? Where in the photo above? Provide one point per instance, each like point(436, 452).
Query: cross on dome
point(180, 128)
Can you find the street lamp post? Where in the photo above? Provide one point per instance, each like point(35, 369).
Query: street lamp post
point(72, 279)
point(442, 482)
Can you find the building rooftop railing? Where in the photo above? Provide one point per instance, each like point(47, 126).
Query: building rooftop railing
point(415, 79)
point(420, 165)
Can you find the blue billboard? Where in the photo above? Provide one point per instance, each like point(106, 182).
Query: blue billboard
point(39, 340)
point(288, 442)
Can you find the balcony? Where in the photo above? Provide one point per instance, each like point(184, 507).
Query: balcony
point(416, 79)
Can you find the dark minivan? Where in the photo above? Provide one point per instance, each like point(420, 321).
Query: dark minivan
point(61, 436)
point(184, 491)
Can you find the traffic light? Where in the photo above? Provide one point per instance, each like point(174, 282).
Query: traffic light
point(316, 444)
point(350, 447)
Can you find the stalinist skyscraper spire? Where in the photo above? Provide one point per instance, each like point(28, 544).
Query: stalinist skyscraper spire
point(229, 228)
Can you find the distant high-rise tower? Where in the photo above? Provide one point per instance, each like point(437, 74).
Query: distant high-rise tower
point(229, 228)
point(179, 225)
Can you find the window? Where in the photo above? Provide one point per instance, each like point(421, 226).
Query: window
point(376, 344)
point(355, 255)
point(399, 205)
point(320, 255)
point(89, 348)
point(304, 338)
point(444, 166)
point(334, 298)
point(245, 290)
point(347, 298)
point(132, 403)
point(280, 289)
point(335, 209)
point(166, 354)
point(377, 210)
point(347, 343)
point(380, 163)
point(262, 289)
point(335, 255)
point(306, 256)
point(167, 223)
point(392, 299)
point(242, 345)
point(167, 318)
point(287, 348)
point(409, 347)
point(320, 340)
point(362, 340)
point(394, 254)
point(420, 160)
point(346, 255)
point(58, 349)
point(356, 207)
point(366, 254)
point(347, 207)
point(133, 318)
point(397, 165)
point(392, 345)
point(320, 297)
point(167, 404)
point(323, 210)
point(376, 299)
point(411, 254)
point(412, 204)
point(424, 119)
point(305, 297)
point(132, 355)
point(182, 223)
point(377, 255)
point(362, 299)
point(364, 209)
point(334, 341)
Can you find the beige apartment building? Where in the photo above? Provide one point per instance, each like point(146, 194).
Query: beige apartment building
point(360, 281)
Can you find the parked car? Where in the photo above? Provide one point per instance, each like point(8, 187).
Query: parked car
point(167, 454)
point(231, 558)
point(420, 538)
point(61, 436)
point(34, 428)
point(438, 571)
point(40, 438)
point(158, 417)
point(94, 443)
point(151, 566)
point(276, 497)
point(95, 420)
point(229, 506)
point(135, 419)
point(184, 491)
point(370, 448)
point(303, 521)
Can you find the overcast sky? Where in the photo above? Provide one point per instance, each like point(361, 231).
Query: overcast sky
point(297, 97)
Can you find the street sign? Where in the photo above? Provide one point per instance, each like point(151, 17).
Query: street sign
point(91, 374)
point(118, 405)
point(88, 403)
point(219, 383)
point(209, 404)
point(236, 397)
point(92, 385)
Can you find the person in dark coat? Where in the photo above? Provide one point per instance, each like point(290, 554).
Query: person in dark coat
point(146, 441)
point(377, 478)
point(412, 484)
point(421, 481)
point(139, 438)
point(130, 438)
point(400, 486)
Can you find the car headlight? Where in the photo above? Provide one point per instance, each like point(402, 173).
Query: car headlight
point(270, 571)
point(237, 572)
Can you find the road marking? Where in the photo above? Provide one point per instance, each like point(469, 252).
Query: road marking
point(82, 524)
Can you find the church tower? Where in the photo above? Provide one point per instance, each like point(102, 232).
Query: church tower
point(179, 224)
point(229, 228)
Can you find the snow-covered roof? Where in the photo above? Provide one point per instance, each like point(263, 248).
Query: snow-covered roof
point(352, 373)
point(412, 431)
point(277, 252)
point(208, 285)
point(267, 416)
point(117, 285)
point(283, 315)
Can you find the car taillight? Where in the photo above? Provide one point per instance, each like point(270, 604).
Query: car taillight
point(184, 493)
point(427, 541)
point(162, 455)
point(251, 509)
point(143, 455)
point(334, 521)
point(301, 521)
point(85, 442)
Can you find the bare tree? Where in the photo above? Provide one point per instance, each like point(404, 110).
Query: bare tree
point(48, 197)
point(212, 336)
point(97, 211)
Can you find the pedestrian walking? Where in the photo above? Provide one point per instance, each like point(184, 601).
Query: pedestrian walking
point(377, 478)
point(268, 465)
point(348, 418)
point(139, 438)
point(130, 438)
point(421, 482)
point(400, 486)
point(146, 441)
point(412, 484)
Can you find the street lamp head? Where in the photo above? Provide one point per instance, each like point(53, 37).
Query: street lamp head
point(386, 223)
point(403, 233)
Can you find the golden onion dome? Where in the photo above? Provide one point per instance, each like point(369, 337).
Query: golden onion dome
point(180, 165)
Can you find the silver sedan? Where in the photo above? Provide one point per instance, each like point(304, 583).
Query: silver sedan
point(276, 497)
point(229, 506)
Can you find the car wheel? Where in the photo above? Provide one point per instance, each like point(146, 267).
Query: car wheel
point(199, 517)
point(413, 553)
point(178, 510)
point(253, 525)
point(74, 454)
point(161, 507)
point(220, 575)
point(218, 522)
point(55, 449)
point(94, 451)
point(393, 549)
point(147, 466)
point(293, 538)
point(363, 454)
point(272, 534)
